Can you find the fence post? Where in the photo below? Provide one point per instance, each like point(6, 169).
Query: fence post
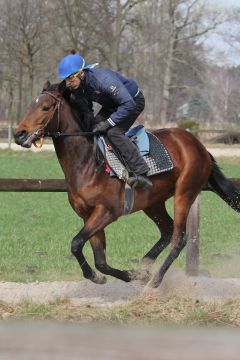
point(192, 233)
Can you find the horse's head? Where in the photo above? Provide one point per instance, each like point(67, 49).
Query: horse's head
point(40, 116)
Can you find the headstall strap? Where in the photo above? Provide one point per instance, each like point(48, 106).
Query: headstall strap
point(58, 107)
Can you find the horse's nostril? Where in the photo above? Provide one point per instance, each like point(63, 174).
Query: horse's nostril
point(20, 136)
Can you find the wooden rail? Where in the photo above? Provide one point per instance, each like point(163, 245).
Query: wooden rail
point(59, 185)
point(33, 185)
point(49, 185)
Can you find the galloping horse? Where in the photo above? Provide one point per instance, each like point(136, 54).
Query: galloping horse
point(99, 198)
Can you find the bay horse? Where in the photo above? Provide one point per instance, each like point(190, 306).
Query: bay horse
point(99, 199)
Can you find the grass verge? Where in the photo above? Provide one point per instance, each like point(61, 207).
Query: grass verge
point(141, 310)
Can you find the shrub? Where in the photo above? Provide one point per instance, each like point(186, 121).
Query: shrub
point(189, 124)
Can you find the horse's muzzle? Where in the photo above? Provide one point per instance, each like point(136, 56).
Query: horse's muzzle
point(24, 139)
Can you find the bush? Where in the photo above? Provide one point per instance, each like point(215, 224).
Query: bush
point(229, 138)
point(190, 124)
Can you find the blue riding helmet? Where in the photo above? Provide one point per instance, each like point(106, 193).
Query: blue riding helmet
point(71, 64)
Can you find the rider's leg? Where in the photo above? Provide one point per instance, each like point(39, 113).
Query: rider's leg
point(128, 150)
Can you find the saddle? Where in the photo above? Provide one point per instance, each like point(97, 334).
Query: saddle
point(153, 151)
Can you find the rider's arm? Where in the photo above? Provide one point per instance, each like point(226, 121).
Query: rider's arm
point(114, 89)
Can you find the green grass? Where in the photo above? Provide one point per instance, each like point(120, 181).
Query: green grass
point(37, 228)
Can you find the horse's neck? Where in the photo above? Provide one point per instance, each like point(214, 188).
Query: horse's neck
point(74, 153)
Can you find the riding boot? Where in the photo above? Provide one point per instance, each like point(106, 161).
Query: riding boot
point(140, 180)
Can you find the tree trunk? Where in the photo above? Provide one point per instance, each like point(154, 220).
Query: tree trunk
point(31, 79)
point(20, 87)
point(117, 37)
point(167, 79)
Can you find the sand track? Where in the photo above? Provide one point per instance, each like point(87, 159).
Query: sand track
point(175, 283)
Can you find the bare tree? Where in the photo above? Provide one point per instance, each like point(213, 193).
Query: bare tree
point(157, 42)
point(23, 30)
point(99, 30)
point(186, 22)
point(224, 93)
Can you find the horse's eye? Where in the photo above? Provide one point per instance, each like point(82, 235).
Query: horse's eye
point(46, 108)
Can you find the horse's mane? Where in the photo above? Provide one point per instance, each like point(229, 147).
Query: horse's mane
point(78, 103)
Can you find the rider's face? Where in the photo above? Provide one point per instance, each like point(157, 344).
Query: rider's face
point(74, 81)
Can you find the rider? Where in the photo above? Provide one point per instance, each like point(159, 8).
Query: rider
point(122, 101)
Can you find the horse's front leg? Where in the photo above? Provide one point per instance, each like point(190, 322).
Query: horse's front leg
point(96, 222)
point(98, 244)
point(77, 250)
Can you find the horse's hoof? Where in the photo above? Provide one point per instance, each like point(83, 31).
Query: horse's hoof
point(133, 275)
point(153, 283)
point(151, 292)
point(144, 276)
point(147, 263)
point(99, 279)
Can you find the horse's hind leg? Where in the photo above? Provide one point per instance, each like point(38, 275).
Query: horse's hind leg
point(98, 244)
point(182, 204)
point(164, 222)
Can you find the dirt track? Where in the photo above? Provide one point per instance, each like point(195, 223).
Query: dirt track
point(175, 283)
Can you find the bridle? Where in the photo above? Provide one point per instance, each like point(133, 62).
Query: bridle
point(41, 133)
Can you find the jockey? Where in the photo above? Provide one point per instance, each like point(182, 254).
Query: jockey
point(122, 101)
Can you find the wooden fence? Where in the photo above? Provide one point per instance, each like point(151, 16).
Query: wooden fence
point(59, 185)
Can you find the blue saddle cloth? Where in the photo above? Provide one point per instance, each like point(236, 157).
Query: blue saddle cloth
point(139, 136)
point(153, 151)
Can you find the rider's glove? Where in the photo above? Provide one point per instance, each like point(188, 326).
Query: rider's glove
point(101, 127)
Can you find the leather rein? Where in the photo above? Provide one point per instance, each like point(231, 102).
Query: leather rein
point(41, 133)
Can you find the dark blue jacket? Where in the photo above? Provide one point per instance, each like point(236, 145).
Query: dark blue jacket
point(111, 90)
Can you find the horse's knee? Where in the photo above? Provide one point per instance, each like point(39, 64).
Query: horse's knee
point(184, 241)
point(178, 245)
point(77, 245)
point(102, 267)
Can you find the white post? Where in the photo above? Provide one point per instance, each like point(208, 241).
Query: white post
point(192, 233)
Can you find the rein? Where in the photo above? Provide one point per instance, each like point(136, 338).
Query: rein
point(41, 133)
point(57, 134)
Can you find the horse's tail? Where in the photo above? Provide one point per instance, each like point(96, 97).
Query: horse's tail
point(218, 183)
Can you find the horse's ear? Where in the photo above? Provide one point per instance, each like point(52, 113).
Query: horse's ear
point(46, 85)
